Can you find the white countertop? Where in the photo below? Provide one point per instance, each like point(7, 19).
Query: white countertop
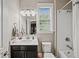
point(24, 42)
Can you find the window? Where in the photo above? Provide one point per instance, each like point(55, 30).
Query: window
point(45, 18)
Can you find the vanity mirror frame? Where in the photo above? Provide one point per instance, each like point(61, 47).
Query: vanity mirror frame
point(28, 20)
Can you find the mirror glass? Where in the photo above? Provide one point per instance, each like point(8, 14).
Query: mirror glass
point(28, 21)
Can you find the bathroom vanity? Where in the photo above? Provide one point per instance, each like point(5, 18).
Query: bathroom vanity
point(24, 48)
point(21, 51)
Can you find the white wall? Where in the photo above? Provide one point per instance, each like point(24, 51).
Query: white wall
point(77, 24)
point(64, 29)
point(10, 16)
point(5, 17)
point(0, 23)
point(76, 29)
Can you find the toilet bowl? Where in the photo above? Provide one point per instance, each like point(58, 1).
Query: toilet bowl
point(46, 49)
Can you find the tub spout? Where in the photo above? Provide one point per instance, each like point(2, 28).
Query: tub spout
point(69, 47)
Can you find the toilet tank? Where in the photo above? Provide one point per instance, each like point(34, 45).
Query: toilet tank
point(46, 47)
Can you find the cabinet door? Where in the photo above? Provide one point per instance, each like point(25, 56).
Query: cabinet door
point(31, 54)
point(15, 48)
point(18, 54)
point(31, 48)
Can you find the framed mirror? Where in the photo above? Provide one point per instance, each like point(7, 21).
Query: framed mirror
point(28, 21)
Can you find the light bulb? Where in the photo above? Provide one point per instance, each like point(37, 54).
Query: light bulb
point(23, 13)
point(28, 13)
point(33, 13)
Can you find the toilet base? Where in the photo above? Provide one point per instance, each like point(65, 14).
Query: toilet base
point(48, 55)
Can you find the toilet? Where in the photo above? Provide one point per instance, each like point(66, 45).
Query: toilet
point(46, 49)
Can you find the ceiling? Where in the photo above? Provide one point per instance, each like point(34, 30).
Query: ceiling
point(48, 1)
point(33, 3)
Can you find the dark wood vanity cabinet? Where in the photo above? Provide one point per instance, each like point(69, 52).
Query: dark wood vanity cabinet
point(23, 51)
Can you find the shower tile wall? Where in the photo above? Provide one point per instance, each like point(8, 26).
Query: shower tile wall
point(64, 29)
point(0, 23)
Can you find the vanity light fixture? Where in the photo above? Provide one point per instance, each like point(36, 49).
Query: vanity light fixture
point(33, 13)
point(28, 12)
point(22, 13)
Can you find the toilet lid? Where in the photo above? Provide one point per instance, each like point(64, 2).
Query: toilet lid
point(48, 55)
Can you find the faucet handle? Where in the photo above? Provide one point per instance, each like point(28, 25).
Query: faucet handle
point(67, 39)
point(69, 46)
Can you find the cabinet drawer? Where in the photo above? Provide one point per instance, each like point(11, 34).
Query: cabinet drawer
point(15, 47)
point(32, 48)
point(31, 54)
point(26, 48)
point(18, 48)
point(18, 54)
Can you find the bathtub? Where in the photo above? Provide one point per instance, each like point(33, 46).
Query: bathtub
point(65, 54)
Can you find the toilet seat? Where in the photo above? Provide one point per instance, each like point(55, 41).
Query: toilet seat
point(48, 55)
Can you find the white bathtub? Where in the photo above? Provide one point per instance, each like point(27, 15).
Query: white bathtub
point(65, 54)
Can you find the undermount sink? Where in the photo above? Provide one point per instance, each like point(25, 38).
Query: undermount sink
point(23, 41)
